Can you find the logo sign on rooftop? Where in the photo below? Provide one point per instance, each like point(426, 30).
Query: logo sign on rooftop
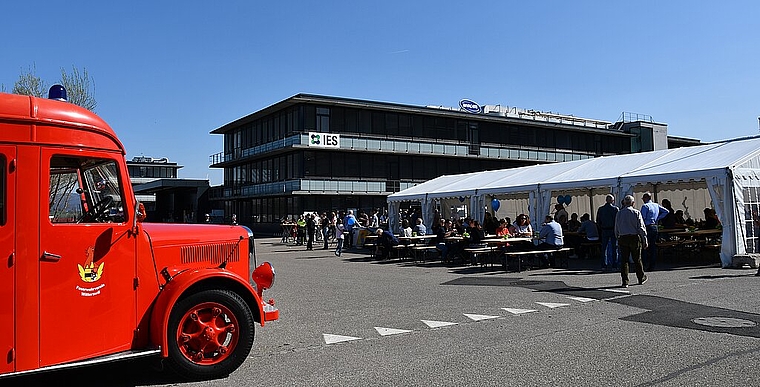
point(324, 140)
point(470, 106)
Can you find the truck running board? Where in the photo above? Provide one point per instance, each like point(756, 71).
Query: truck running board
point(126, 355)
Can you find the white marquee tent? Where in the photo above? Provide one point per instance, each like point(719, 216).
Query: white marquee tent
point(724, 176)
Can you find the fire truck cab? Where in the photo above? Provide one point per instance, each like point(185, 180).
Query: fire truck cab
point(84, 280)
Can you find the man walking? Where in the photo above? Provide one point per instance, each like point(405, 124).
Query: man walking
point(631, 235)
point(652, 213)
point(605, 219)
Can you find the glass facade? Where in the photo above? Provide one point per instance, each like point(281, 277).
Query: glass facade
point(271, 172)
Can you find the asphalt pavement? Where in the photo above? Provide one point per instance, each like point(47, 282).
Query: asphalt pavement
point(357, 321)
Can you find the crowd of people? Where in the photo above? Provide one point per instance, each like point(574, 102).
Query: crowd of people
point(310, 228)
point(621, 231)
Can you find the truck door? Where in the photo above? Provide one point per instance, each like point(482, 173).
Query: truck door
point(87, 265)
point(7, 258)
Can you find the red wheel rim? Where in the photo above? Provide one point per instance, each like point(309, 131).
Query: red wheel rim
point(208, 333)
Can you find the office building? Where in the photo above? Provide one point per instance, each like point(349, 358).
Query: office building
point(320, 153)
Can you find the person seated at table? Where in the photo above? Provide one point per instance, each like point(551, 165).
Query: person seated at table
point(476, 234)
point(711, 219)
point(550, 238)
point(522, 227)
point(669, 221)
point(442, 232)
point(385, 242)
point(589, 230)
point(560, 215)
point(461, 225)
point(490, 223)
point(406, 231)
point(448, 245)
point(503, 229)
point(573, 224)
point(420, 228)
point(680, 221)
point(471, 237)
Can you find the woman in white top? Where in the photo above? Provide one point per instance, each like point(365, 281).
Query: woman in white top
point(405, 229)
point(522, 226)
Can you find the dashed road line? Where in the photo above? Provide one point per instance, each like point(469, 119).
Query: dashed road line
point(332, 339)
point(516, 311)
point(552, 305)
point(390, 331)
point(478, 317)
point(437, 324)
point(385, 331)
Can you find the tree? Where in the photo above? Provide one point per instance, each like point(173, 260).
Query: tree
point(79, 86)
point(30, 84)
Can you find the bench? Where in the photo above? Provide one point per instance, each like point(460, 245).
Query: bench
point(421, 251)
point(563, 255)
point(592, 249)
point(476, 252)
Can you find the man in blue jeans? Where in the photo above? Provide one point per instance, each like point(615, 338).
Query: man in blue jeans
point(652, 213)
point(605, 220)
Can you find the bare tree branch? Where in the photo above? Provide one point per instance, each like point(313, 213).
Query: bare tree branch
point(79, 87)
point(29, 83)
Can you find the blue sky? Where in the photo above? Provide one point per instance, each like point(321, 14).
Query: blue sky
point(167, 73)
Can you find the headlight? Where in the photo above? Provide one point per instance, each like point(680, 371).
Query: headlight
point(263, 276)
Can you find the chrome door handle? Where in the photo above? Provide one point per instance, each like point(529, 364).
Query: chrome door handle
point(51, 257)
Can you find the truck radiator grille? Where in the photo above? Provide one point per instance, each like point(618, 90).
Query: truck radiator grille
point(216, 253)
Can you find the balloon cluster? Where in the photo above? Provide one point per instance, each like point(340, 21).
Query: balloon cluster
point(566, 199)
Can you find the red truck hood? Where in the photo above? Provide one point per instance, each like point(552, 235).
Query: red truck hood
point(198, 245)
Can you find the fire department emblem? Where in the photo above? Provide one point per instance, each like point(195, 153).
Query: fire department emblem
point(90, 272)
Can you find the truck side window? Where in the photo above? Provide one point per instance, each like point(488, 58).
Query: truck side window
point(3, 190)
point(84, 190)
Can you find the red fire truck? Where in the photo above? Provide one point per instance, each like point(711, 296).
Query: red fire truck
point(84, 280)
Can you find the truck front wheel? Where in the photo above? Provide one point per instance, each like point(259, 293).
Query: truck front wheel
point(210, 334)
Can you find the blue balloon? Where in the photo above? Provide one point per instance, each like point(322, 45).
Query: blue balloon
point(461, 199)
point(568, 199)
point(561, 199)
point(495, 204)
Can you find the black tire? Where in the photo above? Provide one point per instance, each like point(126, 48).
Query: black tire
point(226, 362)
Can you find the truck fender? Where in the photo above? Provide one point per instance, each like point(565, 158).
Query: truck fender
point(179, 285)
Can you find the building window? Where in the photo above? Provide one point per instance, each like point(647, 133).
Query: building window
point(323, 119)
point(309, 118)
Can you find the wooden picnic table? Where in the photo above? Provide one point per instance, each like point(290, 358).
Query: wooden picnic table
point(697, 233)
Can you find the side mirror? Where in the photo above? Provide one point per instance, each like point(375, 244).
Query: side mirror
point(140, 214)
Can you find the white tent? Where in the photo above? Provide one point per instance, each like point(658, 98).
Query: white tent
point(724, 176)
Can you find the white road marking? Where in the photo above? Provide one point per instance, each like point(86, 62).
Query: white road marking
point(552, 304)
point(437, 324)
point(331, 339)
point(478, 317)
point(519, 311)
point(582, 299)
point(390, 331)
point(617, 290)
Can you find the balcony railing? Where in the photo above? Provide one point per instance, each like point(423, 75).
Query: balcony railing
point(406, 146)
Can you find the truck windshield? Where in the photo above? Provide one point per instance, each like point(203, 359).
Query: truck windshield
point(85, 190)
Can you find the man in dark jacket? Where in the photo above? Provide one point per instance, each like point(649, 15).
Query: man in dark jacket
point(605, 219)
point(311, 228)
point(386, 240)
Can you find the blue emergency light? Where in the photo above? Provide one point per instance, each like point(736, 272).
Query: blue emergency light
point(57, 92)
